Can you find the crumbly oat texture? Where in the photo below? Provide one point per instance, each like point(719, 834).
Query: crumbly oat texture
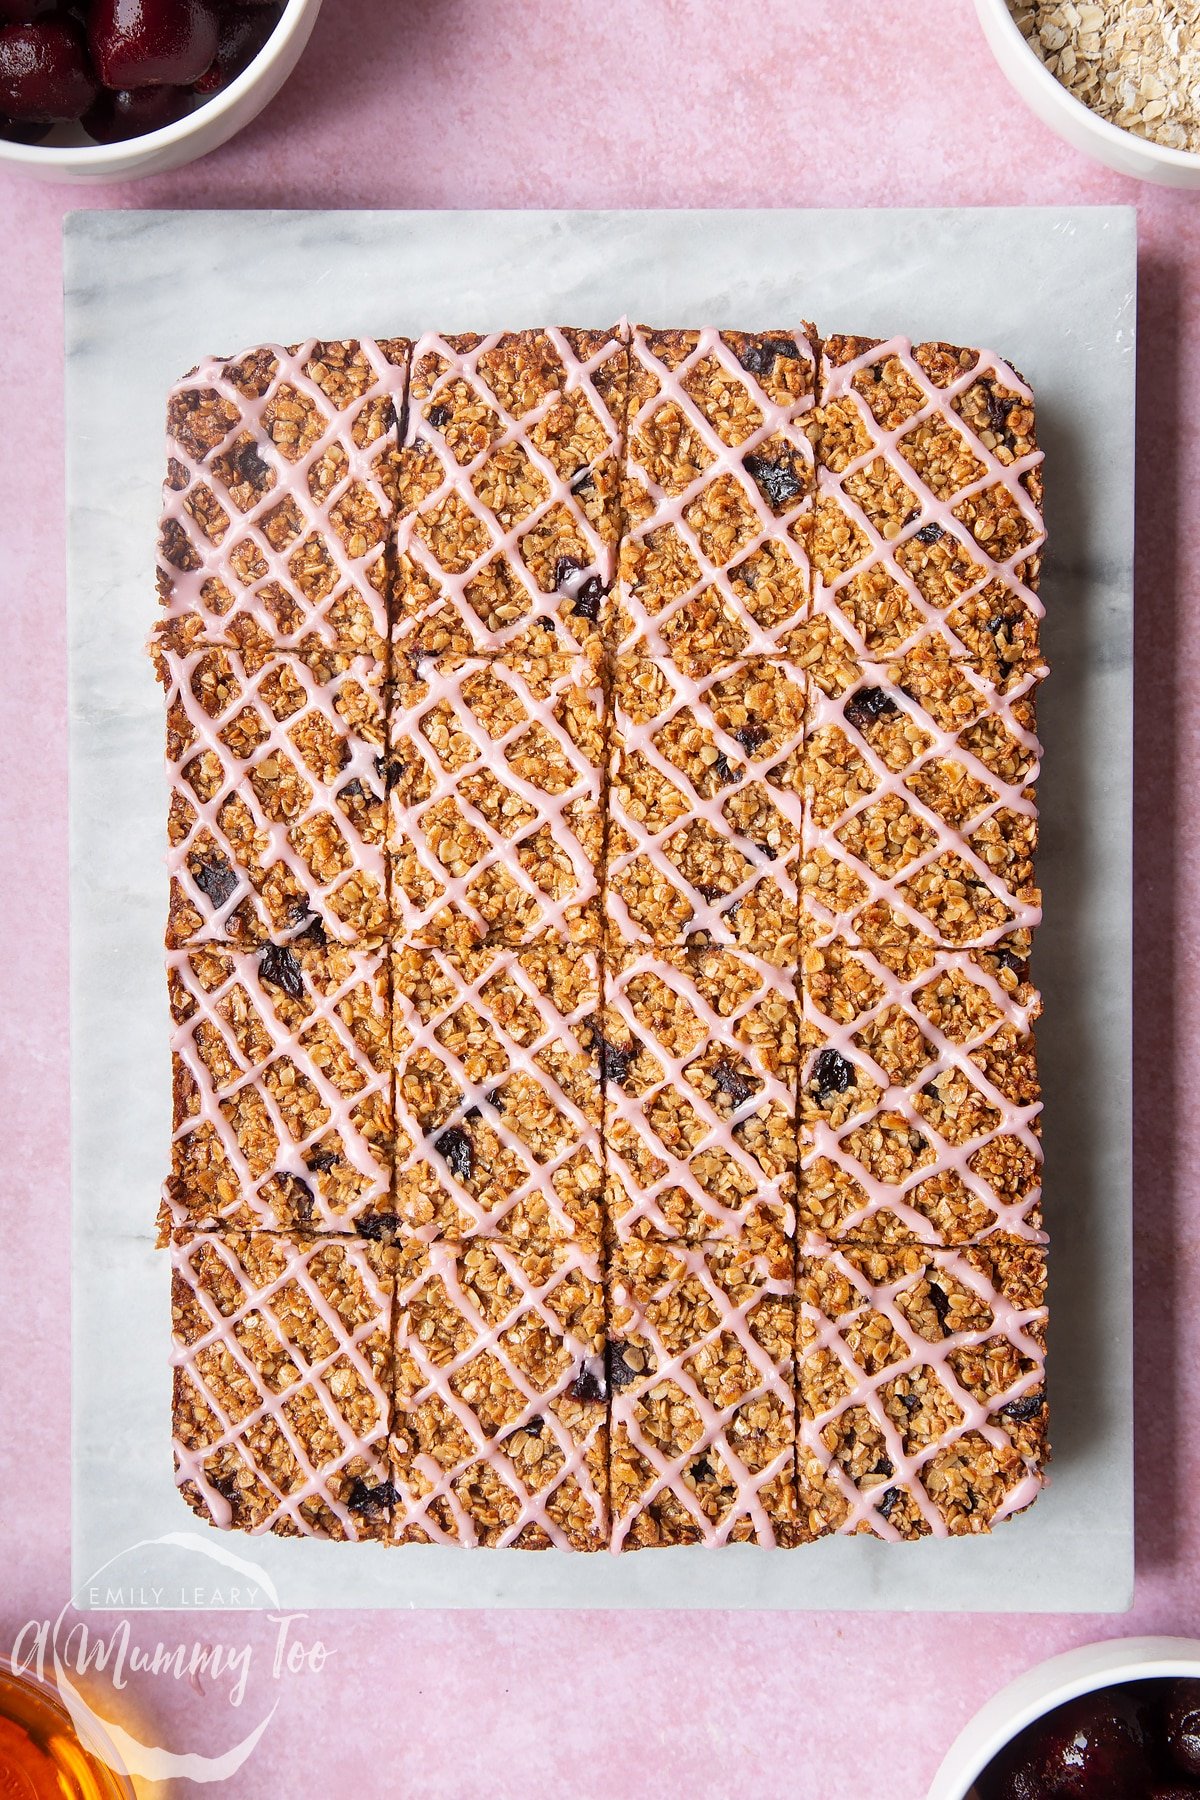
point(602, 829)
point(1134, 62)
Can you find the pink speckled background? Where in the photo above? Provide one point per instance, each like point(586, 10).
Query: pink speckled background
point(449, 103)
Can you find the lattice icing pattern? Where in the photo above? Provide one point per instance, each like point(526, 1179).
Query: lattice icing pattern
point(498, 1095)
point(920, 817)
point(499, 1434)
point(508, 483)
point(920, 1099)
point(700, 1051)
point(277, 810)
point(705, 804)
point(703, 1412)
point(280, 498)
point(927, 524)
point(602, 828)
point(496, 823)
point(282, 1087)
point(921, 1388)
point(282, 1382)
point(717, 495)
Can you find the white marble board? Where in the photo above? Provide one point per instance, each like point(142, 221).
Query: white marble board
point(147, 294)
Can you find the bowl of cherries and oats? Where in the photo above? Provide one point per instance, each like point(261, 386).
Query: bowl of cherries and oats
point(1111, 1721)
point(99, 90)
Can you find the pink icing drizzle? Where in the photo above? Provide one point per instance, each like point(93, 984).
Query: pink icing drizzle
point(438, 1379)
point(826, 1334)
point(285, 1042)
point(222, 1338)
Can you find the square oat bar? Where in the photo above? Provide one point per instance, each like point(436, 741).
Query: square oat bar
point(499, 1432)
point(927, 525)
point(277, 809)
point(705, 805)
point(920, 816)
point(701, 1344)
point(922, 1388)
point(282, 1382)
point(496, 772)
point(920, 1102)
point(498, 1095)
point(717, 494)
point(509, 479)
point(280, 498)
point(282, 1082)
point(700, 1052)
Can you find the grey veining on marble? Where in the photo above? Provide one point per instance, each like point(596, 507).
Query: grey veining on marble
point(148, 294)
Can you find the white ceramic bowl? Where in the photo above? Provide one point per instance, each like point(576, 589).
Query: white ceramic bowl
point(1072, 120)
point(1041, 1689)
point(70, 156)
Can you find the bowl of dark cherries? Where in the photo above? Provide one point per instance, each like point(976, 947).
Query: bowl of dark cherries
point(1114, 1721)
point(98, 90)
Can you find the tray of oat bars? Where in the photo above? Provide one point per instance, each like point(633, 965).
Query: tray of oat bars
point(601, 826)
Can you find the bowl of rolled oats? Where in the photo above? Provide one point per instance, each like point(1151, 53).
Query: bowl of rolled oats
point(1118, 79)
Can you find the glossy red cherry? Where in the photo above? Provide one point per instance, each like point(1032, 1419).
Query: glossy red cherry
point(44, 73)
point(1181, 1724)
point(243, 32)
point(1093, 1748)
point(24, 133)
point(152, 43)
point(23, 12)
point(131, 112)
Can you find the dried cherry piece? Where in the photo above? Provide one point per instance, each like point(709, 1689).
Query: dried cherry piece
point(751, 736)
point(615, 1063)
point(732, 1083)
point(759, 358)
point(215, 877)
point(939, 1299)
point(586, 604)
point(831, 1074)
point(365, 1497)
point(44, 72)
point(867, 705)
point(378, 1227)
point(587, 1387)
point(778, 480)
point(458, 1151)
point(1027, 1407)
point(278, 966)
point(620, 1374)
point(152, 43)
